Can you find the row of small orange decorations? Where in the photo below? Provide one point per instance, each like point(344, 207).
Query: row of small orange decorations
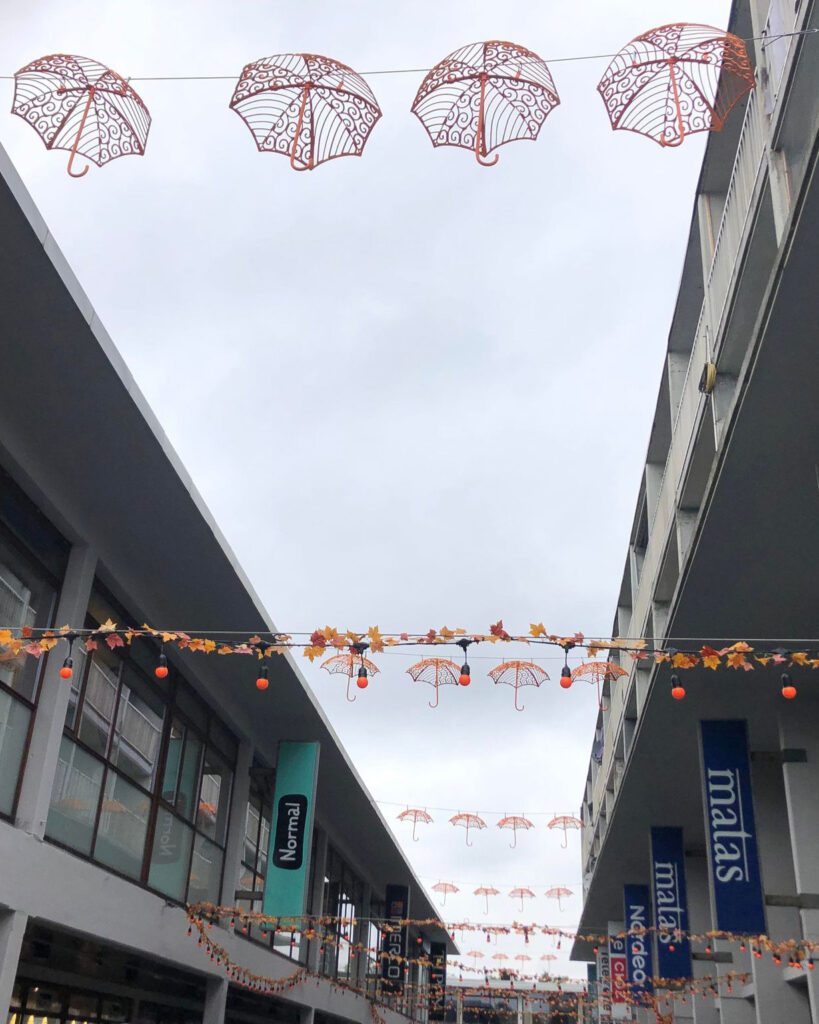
point(666, 84)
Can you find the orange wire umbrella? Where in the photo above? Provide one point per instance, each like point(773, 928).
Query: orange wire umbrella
point(349, 665)
point(415, 814)
point(486, 891)
point(597, 673)
point(437, 672)
point(564, 822)
point(518, 674)
point(476, 956)
point(559, 892)
point(515, 822)
point(445, 888)
point(522, 957)
point(468, 821)
point(521, 893)
point(675, 80)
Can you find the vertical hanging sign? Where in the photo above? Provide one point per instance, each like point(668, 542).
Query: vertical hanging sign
point(637, 904)
point(394, 943)
point(437, 981)
point(291, 834)
point(733, 858)
point(670, 903)
point(617, 968)
point(604, 985)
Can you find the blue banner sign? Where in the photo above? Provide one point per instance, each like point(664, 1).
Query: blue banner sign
point(733, 858)
point(291, 833)
point(670, 903)
point(640, 969)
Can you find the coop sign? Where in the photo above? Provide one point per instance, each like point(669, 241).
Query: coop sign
point(670, 905)
point(729, 824)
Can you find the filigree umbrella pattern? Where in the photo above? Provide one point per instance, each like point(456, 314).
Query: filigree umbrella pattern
point(521, 893)
point(484, 95)
point(486, 891)
point(559, 892)
point(597, 673)
point(77, 104)
point(351, 664)
point(676, 80)
point(517, 674)
point(468, 821)
point(415, 814)
point(564, 822)
point(445, 888)
point(306, 107)
point(437, 672)
point(515, 822)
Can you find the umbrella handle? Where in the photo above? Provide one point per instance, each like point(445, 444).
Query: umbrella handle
point(78, 137)
point(514, 843)
point(308, 166)
point(672, 143)
point(349, 698)
point(480, 141)
point(517, 708)
point(565, 842)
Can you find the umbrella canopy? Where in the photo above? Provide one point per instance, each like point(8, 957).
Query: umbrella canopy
point(437, 672)
point(564, 822)
point(350, 664)
point(415, 814)
point(307, 107)
point(486, 891)
point(518, 674)
point(597, 673)
point(468, 821)
point(77, 104)
point(559, 892)
point(676, 80)
point(445, 888)
point(515, 822)
point(484, 95)
point(476, 956)
point(521, 893)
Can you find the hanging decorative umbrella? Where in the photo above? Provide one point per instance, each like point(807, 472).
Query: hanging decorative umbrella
point(351, 664)
point(559, 892)
point(77, 104)
point(564, 822)
point(676, 80)
point(521, 894)
point(445, 887)
point(484, 95)
point(305, 106)
point(468, 821)
point(486, 891)
point(597, 673)
point(415, 814)
point(515, 822)
point(437, 672)
point(548, 957)
point(518, 674)
point(499, 956)
point(476, 956)
point(522, 958)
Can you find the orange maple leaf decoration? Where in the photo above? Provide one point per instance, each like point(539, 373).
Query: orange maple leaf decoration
point(710, 658)
point(498, 631)
point(680, 660)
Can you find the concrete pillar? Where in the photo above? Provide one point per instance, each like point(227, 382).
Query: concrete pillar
point(216, 991)
point(360, 936)
point(317, 895)
point(44, 748)
point(12, 928)
point(797, 732)
point(654, 480)
point(775, 999)
point(237, 822)
point(307, 1015)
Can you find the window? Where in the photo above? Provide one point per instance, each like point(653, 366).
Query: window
point(145, 772)
point(343, 894)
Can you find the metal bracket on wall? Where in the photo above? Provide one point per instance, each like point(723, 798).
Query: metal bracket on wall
point(787, 756)
point(804, 901)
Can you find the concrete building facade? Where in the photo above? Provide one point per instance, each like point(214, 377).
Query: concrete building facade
point(123, 797)
point(724, 546)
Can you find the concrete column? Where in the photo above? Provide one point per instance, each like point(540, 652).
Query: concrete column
point(44, 748)
point(12, 928)
point(307, 1015)
point(775, 999)
point(317, 894)
point(797, 731)
point(704, 1008)
point(360, 934)
point(216, 991)
point(237, 822)
point(654, 479)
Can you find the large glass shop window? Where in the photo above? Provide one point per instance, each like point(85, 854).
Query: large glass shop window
point(33, 557)
point(145, 771)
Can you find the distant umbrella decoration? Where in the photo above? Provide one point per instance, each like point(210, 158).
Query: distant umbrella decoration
point(476, 956)
point(564, 822)
point(468, 821)
point(79, 105)
point(597, 673)
point(515, 822)
point(676, 80)
point(521, 893)
point(500, 956)
point(306, 107)
point(437, 672)
point(415, 814)
point(484, 95)
point(518, 674)
point(559, 892)
point(486, 891)
point(522, 958)
point(352, 664)
point(548, 958)
point(445, 888)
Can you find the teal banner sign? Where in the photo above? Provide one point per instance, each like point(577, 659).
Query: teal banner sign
point(291, 833)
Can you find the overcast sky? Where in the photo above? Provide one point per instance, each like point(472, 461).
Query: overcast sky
point(413, 391)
